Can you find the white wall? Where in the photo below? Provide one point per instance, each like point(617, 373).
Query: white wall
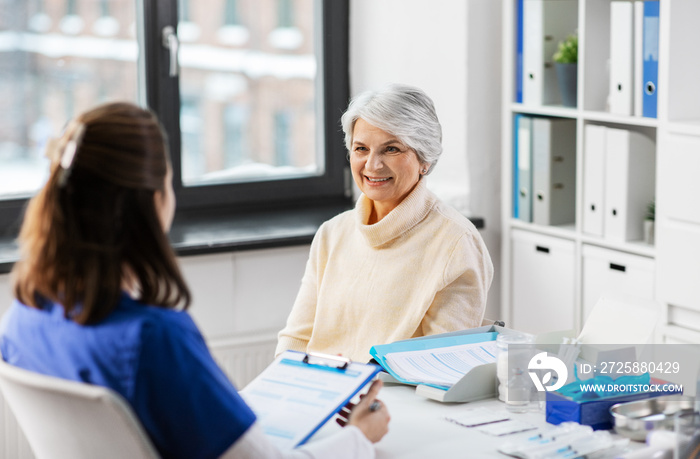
point(421, 43)
point(484, 129)
point(244, 293)
point(451, 49)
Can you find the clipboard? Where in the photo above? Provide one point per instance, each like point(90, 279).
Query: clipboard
point(299, 392)
point(477, 384)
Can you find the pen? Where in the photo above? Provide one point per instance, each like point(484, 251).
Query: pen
point(375, 406)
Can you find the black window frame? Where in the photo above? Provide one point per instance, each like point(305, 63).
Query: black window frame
point(331, 187)
point(163, 97)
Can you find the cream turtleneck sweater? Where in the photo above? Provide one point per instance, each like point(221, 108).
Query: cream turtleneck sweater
point(421, 270)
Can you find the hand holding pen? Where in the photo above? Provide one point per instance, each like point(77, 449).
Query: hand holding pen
point(370, 415)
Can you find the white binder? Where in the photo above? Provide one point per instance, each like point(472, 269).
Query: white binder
point(638, 60)
point(630, 167)
point(593, 179)
point(554, 171)
point(545, 24)
point(621, 57)
point(525, 168)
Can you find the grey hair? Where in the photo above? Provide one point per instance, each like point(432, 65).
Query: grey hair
point(403, 111)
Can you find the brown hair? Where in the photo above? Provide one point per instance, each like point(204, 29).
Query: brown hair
point(95, 222)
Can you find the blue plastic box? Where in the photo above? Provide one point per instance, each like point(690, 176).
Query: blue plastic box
point(594, 413)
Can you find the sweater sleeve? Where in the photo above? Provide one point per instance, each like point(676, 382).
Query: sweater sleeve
point(462, 302)
point(296, 334)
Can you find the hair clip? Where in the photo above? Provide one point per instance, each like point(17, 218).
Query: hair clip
point(68, 156)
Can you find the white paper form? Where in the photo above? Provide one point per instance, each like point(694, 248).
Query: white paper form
point(292, 399)
point(443, 366)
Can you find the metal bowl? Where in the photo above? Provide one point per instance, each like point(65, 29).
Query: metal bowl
point(635, 419)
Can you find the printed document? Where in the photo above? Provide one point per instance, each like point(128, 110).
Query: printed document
point(443, 366)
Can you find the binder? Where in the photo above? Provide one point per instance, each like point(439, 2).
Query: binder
point(322, 384)
point(523, 165)
point(554, 171)
point(427, 347)
point(630, 167)
point(477, 384)
point(519, 52)
point(621, 57)
point(594, 180)
point(545, 24)
point(638, 88)
point(515, 183)
point(650, 66)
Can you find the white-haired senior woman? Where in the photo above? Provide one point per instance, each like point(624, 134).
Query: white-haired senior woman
point(402, 263)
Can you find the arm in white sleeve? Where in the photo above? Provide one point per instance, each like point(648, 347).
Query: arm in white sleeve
point(348, 443)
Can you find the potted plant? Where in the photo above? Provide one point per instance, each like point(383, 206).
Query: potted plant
point(649, 219)
point(566, 63)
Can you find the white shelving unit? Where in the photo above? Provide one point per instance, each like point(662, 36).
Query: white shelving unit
point(675, 257)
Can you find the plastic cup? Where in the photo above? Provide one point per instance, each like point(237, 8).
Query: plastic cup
point(514, 383)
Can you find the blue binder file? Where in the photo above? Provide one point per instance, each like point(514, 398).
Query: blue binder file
point(430, 346)
point(447, 349)
point(650, 66)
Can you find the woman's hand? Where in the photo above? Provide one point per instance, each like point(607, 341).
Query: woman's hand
point(370, 415)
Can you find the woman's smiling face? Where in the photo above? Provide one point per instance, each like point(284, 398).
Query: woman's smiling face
point(384, 169)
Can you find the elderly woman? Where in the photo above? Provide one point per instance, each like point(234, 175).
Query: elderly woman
point(401, 264)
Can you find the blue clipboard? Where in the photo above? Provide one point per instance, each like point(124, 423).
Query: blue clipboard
point(299, 392)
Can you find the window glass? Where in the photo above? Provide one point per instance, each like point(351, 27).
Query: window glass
point(261, 85)
point(248, 74)
point(57, 59)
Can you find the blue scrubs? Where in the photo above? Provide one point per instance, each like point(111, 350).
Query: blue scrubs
point(155, 358)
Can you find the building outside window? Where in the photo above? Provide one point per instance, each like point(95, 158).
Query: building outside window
point(235, 143)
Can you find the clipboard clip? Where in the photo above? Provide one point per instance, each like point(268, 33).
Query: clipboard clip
point(331, 361)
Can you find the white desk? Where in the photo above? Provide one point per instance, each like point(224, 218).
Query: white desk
point(419, 430)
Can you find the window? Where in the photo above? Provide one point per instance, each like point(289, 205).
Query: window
point(252, 112)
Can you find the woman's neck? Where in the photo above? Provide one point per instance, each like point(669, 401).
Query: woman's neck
point(381, 209)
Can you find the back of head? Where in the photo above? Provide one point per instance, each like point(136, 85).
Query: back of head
point(403, 111)
point(95, 224)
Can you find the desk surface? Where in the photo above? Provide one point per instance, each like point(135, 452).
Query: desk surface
point(419, 430)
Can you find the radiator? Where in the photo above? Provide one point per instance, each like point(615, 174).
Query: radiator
point(243, 358)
